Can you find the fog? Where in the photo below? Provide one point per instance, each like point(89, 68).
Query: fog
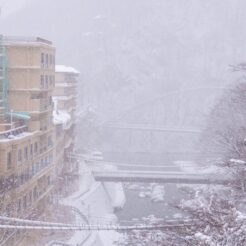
point(151, 73)
point(129, 51)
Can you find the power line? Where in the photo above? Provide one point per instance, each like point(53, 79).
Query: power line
point(24, 224)
point(31, 222)
point(98, 227)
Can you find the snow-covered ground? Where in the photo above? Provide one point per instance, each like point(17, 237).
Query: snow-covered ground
point(192, 167)
point(115, 191)
point(116, 194)
point(93, 200)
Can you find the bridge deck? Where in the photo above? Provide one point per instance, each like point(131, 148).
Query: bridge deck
point(157, 177)
point(139, 127)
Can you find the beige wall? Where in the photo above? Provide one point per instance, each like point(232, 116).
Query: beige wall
point(27, 162)
point(30, 165)
point(22, 55)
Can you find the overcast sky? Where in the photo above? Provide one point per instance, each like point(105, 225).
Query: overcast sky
point(133, 48)
point(10, 6)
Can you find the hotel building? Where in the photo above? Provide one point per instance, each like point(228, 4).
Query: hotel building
point(27, 132)
point(65, 101)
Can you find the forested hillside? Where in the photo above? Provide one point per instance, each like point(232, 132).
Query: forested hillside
point(131, 50)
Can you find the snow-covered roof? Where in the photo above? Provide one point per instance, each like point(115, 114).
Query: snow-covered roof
point(57, 98)
point(16, 137)
point(65, 85)
point(62, 117)
point(65, 69)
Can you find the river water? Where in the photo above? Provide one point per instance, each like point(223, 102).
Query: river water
point(138, 208)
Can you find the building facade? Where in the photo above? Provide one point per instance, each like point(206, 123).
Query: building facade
point(65, 101)
point(27, 132)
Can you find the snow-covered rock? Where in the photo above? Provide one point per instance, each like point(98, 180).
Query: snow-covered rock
point(158, 193)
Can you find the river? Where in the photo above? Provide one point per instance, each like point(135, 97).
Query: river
point(139, 205)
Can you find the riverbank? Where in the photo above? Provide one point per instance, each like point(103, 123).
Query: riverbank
point(96, 204)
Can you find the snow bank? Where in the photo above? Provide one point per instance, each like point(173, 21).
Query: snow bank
point(158, 193)
point(116, 194)
point(115, 191)
point(109, 237)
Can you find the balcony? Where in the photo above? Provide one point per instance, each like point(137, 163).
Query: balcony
point(10, 134)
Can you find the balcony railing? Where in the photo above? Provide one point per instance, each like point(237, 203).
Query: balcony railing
point(13, 132)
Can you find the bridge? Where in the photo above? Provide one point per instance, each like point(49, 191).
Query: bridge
point(159, 177)
point(159, 121)
point(140, 127)
point(110, 171)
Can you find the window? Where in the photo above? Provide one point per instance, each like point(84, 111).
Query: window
point(46, 60)
point(41, 81)
point(51, 158)
point(9, 160)
point(35, 96)
point(27, 174)
point(22, 178)
point(19, 155)
point(33, 169)
point(42, 60)
point(51, 80)
point(18, 182)
point(50, 100)
point(46, 81)
point(37, 166)
point(31, 150)
point(42, 163)
point(51, 59)
point(35, 147)
point(50, 142)
point(26, 153)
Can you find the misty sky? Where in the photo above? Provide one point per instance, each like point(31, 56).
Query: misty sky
point(133, 49)
point(9, 7)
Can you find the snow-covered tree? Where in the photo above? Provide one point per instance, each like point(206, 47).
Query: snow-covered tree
point(225, 135)
point(217, 221)
point(218, 215)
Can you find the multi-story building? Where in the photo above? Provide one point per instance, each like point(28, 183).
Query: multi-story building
point(65, 95)
point(27, 80)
